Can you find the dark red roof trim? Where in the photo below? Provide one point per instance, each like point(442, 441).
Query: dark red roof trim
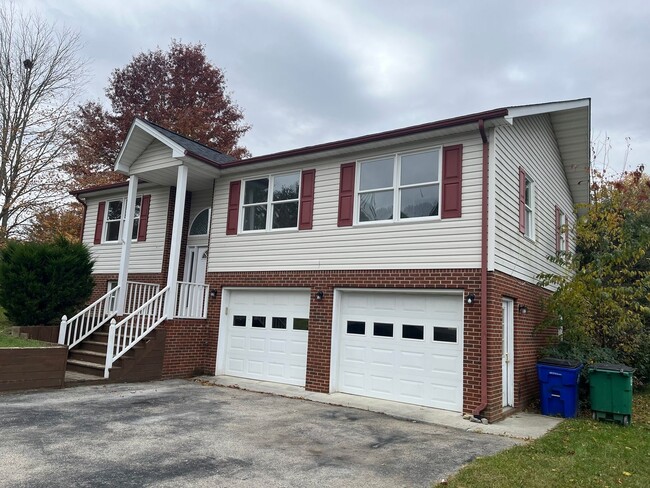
point(415, 129)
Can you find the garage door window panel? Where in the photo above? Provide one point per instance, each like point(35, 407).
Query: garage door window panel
point(445, 334)
point(279, 323)
point(413, 332)
point(300, 324)
point(381, 329)
point(356, 327)
point(239, 321)
point(259, 322)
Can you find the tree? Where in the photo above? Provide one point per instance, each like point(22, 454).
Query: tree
point(43, 281)
point(41, 74)
point(178, 89)
point(54, 223)
point(604, 299)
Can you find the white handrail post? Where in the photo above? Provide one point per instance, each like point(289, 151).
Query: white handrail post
point(175, 247)
point(110, 347)
point(125, 231)
point(63, 328)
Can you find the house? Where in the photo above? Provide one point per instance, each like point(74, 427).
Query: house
point(400, 265)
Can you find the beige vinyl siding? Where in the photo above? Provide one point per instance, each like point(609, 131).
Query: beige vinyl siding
point(156, 156)
point(200, 201)
point(450, 243)
point(529, 143)
point(146, 256)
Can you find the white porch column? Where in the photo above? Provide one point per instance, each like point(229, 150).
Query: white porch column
point(126, 231)
point(175, 247)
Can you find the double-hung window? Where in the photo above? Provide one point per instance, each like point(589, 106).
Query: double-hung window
point(400, 186)
point(528, 209)
point(115, 215)
point(271, 202)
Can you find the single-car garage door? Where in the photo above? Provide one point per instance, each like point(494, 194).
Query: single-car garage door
point(264, 336)
point(406, 347)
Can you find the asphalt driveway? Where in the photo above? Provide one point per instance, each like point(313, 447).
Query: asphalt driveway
point(181, 433)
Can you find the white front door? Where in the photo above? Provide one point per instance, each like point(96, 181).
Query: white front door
point(196, 264)
point(263, 335)
point(507, 356)
point(406, 347)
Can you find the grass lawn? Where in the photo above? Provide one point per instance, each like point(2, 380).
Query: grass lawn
point(578, 453)
point(7, 340)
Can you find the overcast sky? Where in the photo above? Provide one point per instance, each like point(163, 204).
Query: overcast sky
point(311, 71)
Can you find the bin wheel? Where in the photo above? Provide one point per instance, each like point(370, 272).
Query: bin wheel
point(626, 420)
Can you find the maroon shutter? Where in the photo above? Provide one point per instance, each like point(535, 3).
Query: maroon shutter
point(558, 229)
point(99, 225)
point(522, 201)
point(452, 181)
point(346, 195)
point(144, 218)
point(233, 208)
point(307, 199)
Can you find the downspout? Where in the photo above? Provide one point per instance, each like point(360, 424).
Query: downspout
point(484, 258)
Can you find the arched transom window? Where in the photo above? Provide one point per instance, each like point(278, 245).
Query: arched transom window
point(201, 223)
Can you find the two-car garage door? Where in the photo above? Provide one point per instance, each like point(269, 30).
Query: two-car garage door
point(405, 347)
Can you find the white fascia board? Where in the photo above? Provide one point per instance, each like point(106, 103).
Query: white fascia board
point(177, 150)
point(544, 108)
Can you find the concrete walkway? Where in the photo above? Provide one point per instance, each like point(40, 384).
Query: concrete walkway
point(519, 426)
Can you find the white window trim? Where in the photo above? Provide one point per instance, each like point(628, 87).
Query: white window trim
point(195, 217)
point(122, 221)
point(397, 165)
point(529, 233)
point(269, 203)
point(562, 231)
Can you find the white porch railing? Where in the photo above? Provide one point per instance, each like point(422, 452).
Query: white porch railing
point(129, 331)
point(192, 300)
point(138, 293)
point(91, 318)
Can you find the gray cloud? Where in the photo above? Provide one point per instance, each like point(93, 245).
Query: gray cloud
point(310, 71)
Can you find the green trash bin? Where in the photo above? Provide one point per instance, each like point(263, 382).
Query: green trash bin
point(610, 392)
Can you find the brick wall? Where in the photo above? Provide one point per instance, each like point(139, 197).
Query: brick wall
point(320, 314)
point(528, 340)
point(186, 343)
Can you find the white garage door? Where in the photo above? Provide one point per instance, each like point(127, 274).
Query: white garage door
point(266, 335)
point(403, 347)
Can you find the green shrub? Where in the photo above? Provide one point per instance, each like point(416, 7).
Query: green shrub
point(40, 282)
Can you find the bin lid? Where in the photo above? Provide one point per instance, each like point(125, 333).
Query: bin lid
point(621, 368)
point(567, 363)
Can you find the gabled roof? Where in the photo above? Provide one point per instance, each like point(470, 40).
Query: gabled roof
point(192, 148)
point(142, 132)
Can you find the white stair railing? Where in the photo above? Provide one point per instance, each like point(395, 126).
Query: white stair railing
point(133, 328)
point(192, 300)
point(137, 293)
point(91, 318)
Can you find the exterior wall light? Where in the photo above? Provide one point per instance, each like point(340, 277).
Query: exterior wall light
point(319, 296)
point(213, 292)
point(471, 298)
point(523, 309)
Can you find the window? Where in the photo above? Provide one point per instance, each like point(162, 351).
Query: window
point(201, 223)
point(114, 217)
point(562, 232)
point(279, 323)
point(413, 332)
point(355, 327)
point(528, 209)
point(239, 321)
point(444, 334)
point(258, 322)
point(275, 209)
point(381, 329)
point(403, 186)
point(300, 324)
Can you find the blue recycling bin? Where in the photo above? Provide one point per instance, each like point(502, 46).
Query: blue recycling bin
point(558, 380)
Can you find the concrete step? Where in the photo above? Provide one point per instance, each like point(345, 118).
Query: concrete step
point(88, 356)
point(85, 367)
point(97, 346)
